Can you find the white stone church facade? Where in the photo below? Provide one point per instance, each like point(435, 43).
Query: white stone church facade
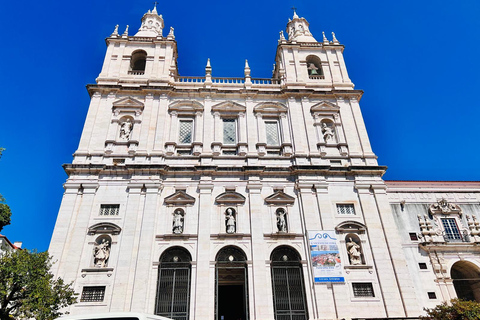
point(194, 197)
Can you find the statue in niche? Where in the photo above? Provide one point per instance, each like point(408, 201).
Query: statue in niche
point(230, 221)
point(312, 69)
point(327, 131)
point(281, 220)
point(354, 252)
point(101, 253)
point(126, 129)
point(178, 221)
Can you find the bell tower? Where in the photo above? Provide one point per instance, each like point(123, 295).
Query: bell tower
point(302, 61)
point(146, 58)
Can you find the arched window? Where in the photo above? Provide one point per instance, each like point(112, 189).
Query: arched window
point(137, 63)
point(314, 68)
point(231, 284)
point(466, 280)
point(173, 285)
point(288, 284)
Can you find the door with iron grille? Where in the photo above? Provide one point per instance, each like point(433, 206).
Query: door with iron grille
point(173, 285)
point(231, 290)
point(288, 285)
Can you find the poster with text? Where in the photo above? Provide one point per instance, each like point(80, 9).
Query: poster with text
point(326, 263)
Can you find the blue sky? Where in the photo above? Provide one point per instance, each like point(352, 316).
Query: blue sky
point(417, 61)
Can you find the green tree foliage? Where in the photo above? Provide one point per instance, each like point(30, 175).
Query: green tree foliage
point(5, 213)
point(28, 288)
point(458, 310)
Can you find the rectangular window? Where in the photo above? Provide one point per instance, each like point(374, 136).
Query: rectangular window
point(185, 132)
point(229, 131)
point(345, 209)
point(413, 236)
point(422, 265)
point(93, 294)
point(273, 136)
point(432, 295)
point(363, 289)
point(109, 209)
point(451, 229)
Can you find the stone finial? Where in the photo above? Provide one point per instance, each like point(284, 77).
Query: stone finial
point(325, 40)
point(335, 38)
point(170, 34)
point(282, 37)
point(115, 32)
point(247, 69)
point(208, 68)
point(125, 33)
point(155, 7)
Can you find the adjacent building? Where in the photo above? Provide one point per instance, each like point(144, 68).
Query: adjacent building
point(246, 198)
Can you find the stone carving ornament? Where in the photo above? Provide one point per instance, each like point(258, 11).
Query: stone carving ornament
point(354, 252)
point(126, 129)
point(443, 207)
point(101, 253)
point(281, 220)
point(328, 135)
point(178, 221)
point(230, 222)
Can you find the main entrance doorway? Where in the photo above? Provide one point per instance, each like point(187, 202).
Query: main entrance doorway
point(231, 289)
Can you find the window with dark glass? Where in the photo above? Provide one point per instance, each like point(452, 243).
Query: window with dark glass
point(422, 265)
point(185, 132)
point(413, 236)
point(363, 289)
point(432, 295)
point(345, 208)
point(109, 209)
point(93, 294)
point(451, 229)
point(229, 131)
point(271, 129)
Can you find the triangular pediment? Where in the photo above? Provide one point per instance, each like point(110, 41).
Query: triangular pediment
point(190, 106)
point(280, 198)
point(230, 198)
point(324, 106)
point(128, 102)
point(270, 107)
point(350, 226)
point(180, 198)
point(104, 228)
point(228, 106)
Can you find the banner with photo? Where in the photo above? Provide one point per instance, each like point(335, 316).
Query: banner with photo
point(326, 262)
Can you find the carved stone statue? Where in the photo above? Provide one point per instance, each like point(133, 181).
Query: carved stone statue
point(312, 69)
point(281, 221)
point(126, 129)
point(354, 252)
point(327, 131)
point(177, 221)
point(101, 253)
point(230, 221)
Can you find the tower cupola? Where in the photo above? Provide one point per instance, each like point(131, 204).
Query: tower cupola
point(297, 30)
point(152, 24)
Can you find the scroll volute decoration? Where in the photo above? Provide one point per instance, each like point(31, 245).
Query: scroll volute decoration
point(444, 207)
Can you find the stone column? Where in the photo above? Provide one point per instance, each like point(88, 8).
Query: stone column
point(261, 306)
point(205, 276)
point(242, 134)
point(144, 266)
point(262, 137)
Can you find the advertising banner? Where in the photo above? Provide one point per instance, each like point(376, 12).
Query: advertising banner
point(326, 263)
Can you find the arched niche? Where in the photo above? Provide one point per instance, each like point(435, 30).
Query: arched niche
point(314, 67)
point(353, 245)
point(138, 61)
point(466, 280)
